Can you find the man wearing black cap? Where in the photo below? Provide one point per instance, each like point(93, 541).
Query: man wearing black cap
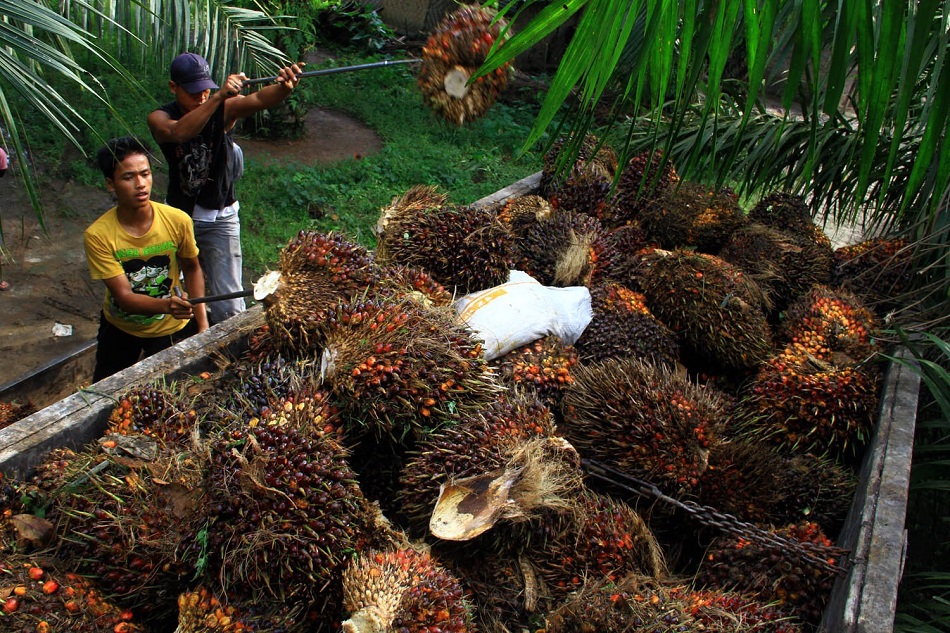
point(193, 132)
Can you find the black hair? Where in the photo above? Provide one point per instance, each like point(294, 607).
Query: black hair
point(117, 150)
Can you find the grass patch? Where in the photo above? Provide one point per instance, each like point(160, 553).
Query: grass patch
point(468, 163)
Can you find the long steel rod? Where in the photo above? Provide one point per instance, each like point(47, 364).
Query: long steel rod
point(331, 71)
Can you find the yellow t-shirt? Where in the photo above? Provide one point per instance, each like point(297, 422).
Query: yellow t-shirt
point(149, 262)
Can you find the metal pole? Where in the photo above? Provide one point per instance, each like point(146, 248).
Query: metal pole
point(331, 71)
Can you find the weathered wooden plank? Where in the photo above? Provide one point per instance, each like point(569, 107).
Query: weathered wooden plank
point(865, 600)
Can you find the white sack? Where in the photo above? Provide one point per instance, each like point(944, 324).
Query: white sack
point(521, 311)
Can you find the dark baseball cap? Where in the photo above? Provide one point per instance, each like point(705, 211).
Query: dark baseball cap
point(192, 73)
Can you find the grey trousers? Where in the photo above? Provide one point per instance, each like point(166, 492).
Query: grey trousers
point(219, 250)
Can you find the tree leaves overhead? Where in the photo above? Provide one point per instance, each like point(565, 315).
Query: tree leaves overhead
point(862, 125)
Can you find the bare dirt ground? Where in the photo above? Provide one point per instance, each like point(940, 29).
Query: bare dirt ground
point(49, 282)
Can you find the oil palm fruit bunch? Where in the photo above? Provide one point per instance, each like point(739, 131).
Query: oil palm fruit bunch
point(466, 249)
point(692, 214)
point(11, 412)
point(456, 48)
point(815, 488)
point(759, 483)
point(482, 441)
point(397, 368)
point(782, 575)
point(122, 520)
point(599, 537)
point(311, 409)
point(831, 323)
point(584, 186)
point(641, 603)
point(505, 591)
point(565, 249)
point(643, 419)
point(402, 589)
point(518, 214)
point(200, 611)
point(879, 270)
point(712, 305)
point(544, 366)
point(153, 410)
point(284, 494)
point(417, 200)
point(416, 284)
point(645, 177)
point(317, 271)
point(623, 327)
point(629, 243)
point(40, 598)
point(740, 479)
point(783, 211)
point(785, 265)
point(251, 389)
point(806, 403)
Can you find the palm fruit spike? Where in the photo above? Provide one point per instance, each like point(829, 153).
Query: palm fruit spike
point(828, 322)
point(614, 541)
point(784, 212)
point(39, 598)
point(623, 327)
point(692, 214)
point(643, 419)
point(155, 411)
point(780, 575)
point(416, 284)
point(544, 366)
point(200, 611)
point(281, 494)
point(482, 441)
point(585, 185)
point(466, 249)
point(317, 270)
point(397, 368)
point(402, 589)
point(519, 214)
point(565, 249)
point(784, 264)
point(879, 270)
point(648, 604)
point(456, 48)
point(715, 309)
point(804, 403)
point(645, 177)
point(123, 521)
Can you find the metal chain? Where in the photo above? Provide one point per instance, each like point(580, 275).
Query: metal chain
point(816, 554)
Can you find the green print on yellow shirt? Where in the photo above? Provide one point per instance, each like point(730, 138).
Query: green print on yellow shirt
point(125, 253)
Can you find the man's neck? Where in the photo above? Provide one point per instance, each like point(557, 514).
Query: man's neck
point(136, 220)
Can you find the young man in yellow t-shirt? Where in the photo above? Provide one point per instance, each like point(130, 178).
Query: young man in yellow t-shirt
point(140, 249)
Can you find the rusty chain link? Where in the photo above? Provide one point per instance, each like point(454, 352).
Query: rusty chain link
point(709, 516)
